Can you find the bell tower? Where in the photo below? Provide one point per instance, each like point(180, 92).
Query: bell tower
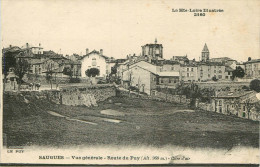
point(205, 54)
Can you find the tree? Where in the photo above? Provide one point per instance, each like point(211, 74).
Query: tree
point(8, 61)
point(68, 71)
point(214, 78)
point(238, 72)
point(92, 72)
point(21, 68)
point(49, 73)
point(255, 85)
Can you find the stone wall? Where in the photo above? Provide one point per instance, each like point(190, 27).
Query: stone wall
point(88, 95)
point(170, 98)
point(84, 95)
point(205, 106)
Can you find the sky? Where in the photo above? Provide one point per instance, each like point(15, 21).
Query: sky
point(122, 27)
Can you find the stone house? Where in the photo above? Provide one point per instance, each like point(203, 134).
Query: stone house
point(95, 59)
point(252, 68)
point(208, 70)
point(140, 77)
point(189, 72)
point(239, 103)
point(146, 77)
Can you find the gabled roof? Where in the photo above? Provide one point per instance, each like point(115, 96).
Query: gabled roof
point(97, 52)
point(205, 48)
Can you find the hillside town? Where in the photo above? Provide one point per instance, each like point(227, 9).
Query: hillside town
point(223, 80)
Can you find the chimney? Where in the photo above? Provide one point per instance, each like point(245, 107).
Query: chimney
point(101, 52)
point(249, 58)
point(39, 44)
point(27, 45)
point(10, 46)
point(86, 51)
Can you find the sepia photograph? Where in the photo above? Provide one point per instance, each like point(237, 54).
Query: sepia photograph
point(112, 82)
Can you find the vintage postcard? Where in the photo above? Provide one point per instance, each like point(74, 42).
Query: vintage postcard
point(130, 82)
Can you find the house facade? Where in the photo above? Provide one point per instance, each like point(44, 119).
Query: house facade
point(94, 59)
point(252, 68)
point(239, 103)
point(139, 77)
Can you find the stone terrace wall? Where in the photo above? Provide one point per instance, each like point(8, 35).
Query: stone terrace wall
point(74, 96)
point(205, 106)
point(222, 85)
point(77, 95)
point(170, 98)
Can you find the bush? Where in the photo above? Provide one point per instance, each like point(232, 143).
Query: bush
point(214, 78)
point(74, 80)
point(255, 85)
point(92, 72)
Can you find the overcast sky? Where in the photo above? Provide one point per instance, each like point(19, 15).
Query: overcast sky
point(122, 27)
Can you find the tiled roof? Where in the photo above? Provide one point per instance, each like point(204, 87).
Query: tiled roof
point(171, 62)
point(11, 49)
point(253, 61)
point(169, 74)
point(36, 61)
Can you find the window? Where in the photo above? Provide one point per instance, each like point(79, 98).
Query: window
point(209, 75)
point(188, 74)
point(172, 68)
point(244, 108)
point(220, 71)
point(170, 80)
point(226, 77)
point(187, 69)
point(220, 77)
point(94, 62)
point(161, 80)
point(191, 69)
point(215, 71)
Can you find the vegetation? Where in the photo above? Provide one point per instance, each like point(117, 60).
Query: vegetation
point(147, 123)
point(92, 72)
point(21, 68)
point(214, 78)
point(49, 73)
point(238, 72)
point(68, 71)
point(255, 85)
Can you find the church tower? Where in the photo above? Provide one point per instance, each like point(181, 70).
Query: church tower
point(205, 54)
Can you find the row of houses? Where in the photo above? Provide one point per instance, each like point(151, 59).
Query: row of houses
point(166, 72)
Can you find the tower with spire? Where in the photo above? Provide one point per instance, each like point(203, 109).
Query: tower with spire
point(205, 54)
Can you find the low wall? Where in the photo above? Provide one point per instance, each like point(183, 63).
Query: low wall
point(77, 95)
point(74, 96)
point(205, 106)
point(170, 98)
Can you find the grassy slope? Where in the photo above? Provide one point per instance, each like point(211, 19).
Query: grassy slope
point(145, 123)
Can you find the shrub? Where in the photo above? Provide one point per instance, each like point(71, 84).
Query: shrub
point(255, 85)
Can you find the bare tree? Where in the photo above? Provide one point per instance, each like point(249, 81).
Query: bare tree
point(248, 106)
